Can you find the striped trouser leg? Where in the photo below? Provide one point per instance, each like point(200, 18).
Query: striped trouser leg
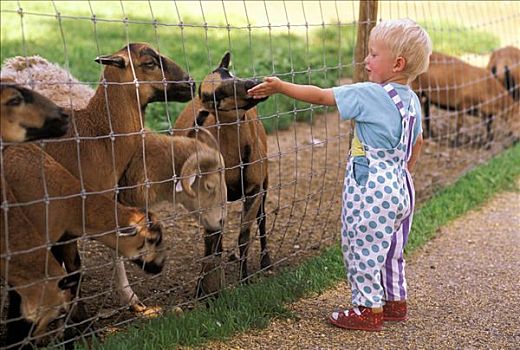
point(393, 275)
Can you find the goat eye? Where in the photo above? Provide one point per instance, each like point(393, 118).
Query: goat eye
point(149, 64)
point(16, 101)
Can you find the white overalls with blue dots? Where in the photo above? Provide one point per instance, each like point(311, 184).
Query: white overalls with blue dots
point(377, 216)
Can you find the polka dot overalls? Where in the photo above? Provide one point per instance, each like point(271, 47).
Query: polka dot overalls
point(376, 218)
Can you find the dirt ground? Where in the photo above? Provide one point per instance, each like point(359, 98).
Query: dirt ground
point(306, 167)
point(463, 294)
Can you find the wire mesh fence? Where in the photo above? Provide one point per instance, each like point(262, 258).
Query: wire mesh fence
point(169, 164)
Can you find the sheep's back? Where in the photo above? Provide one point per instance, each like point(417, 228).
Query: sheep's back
point(48, 79)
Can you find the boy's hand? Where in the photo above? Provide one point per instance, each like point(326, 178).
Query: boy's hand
point(270, 86)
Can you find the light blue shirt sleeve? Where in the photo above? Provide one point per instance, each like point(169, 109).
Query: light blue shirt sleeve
point(347, 101)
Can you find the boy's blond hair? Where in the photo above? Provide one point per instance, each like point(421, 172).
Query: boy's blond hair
point(407, 39)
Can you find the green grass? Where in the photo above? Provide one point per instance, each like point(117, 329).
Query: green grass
point(320, 56)
point(253, 306)
point(453, 39)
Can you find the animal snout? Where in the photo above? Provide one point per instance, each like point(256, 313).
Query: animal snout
point(54, 126)
point(216, 227)
point(64, 115)
point(181, 91)
point(60, 123)
point(249, 84)
point(69, 282)
point(153, 267)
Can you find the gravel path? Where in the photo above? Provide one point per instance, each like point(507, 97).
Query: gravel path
point(463, 294)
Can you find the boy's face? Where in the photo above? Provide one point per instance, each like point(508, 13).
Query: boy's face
point(380, 62)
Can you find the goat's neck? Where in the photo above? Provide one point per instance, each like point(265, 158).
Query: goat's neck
point(116, 108)
point(234, 131)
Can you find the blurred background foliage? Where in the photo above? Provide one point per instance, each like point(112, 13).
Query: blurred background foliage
point(318, 52)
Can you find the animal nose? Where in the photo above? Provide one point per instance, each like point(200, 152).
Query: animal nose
point(251, 83)
point(64, 115)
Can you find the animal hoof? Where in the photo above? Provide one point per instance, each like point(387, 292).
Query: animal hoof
point(146, 311)
point(178, 311)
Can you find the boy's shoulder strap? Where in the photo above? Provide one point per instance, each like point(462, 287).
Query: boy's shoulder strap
point(395, 97)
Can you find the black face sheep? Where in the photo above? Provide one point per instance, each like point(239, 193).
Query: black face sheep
point(224, 108)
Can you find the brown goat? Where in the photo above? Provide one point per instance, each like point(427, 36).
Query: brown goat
point(27, 115)
point(504, 63)
point(68, 210)
point(452, 84)
point(200, 170)
point(224, 108)
point(108, 129)
point(41, 287)
point(40, 293)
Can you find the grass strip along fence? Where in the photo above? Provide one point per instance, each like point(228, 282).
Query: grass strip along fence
point(254, 305)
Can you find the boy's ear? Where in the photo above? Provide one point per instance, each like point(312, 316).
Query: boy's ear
point(400, 64)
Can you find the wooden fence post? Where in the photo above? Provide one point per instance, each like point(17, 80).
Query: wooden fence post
point(366, 21)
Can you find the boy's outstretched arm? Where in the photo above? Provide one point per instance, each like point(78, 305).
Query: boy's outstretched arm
point(306, 93)
point(416, 151)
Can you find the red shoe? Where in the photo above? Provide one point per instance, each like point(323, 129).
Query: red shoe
point(394, 311)
point(361, 318)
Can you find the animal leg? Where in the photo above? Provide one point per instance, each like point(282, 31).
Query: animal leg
point(249, 212)
point(425, 101)
point(66, 252)
point(212, 275)
point(460, 122)
point(18, 327)
point(265, 259)
point(489, 130)
point(127, 295)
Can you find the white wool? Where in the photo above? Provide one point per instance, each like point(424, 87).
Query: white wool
point(48, 79)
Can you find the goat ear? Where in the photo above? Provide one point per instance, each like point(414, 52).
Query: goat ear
point(224, 63)
point(111, 60)
point(178, 187)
